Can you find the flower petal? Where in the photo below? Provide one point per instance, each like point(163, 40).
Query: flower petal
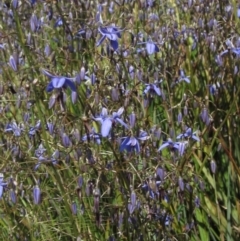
point(157, 90)
point(106, 127)
point(48, 74)
point(151, 48)
point(70, 84)
point(163, 146)
point(114, 44)
point(58, 82)
point(50, 87)
point(122, 123)
point(99, 42)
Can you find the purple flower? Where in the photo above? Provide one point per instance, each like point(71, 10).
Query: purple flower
point(107, 121)
point(16, 129)
point(179, 146)
point(131, 143)
point(112, 33)
point(93, 135)
point(152, 89)
point(213, 89)
point(188, 134)
point(151, 47)
point(170, 144)
point(182, 77)
point(59, 82)
point(32, 130)
point(58, 23)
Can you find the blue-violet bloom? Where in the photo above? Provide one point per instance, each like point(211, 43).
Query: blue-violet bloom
point(188, 134)
point(107, 121)
point(112, 33)
point(59, 82)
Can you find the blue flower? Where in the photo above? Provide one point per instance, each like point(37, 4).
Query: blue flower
point(153, 89)
point(151, 47)
point(188, 134)
point(112, 33)
point(59, 82)
point(16, 129)
point(170, 144)
point(2, 185)
point(175, 146)
point(32, 130)
point(213, 89)
point(107, 121)
point(131, 143)
point(93, 135)
point(58, 23)
point(41, 159)
point(182, 77)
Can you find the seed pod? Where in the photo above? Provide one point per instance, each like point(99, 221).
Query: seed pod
point(74, 208)
point(13, 196)
point(213, 166)
point(132, 119)
point(82, 73)
point(47, 50)
point(65, 140)
point(181, 184)
point(179, 117)
point(50, 127)
point(36, 195)
point(197, 202)
point(185, 110)
point(161, 173)
point(133, 198)
point(13, 63)
point(52, 101)
point(74, 97)
point(80, 181)
point(115, 94)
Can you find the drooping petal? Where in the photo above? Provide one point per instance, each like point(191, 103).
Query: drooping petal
point(114, 44)
point(157, 90)
point(132, 141)
point(180, 136)
point(163, 146)
point(99, 42)
point(148, 87)
point(50, 87)
point(122, 122)
point(137, 147)
point(106, 127)
point(48, 74)
point(70, 84)
point(120, 111)
point(195, 138)
point(58, 82)
point(124, 145)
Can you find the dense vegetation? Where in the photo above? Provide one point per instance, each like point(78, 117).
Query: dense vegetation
point(119, 120)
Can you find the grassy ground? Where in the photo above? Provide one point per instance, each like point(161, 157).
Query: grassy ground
point(164, 166)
